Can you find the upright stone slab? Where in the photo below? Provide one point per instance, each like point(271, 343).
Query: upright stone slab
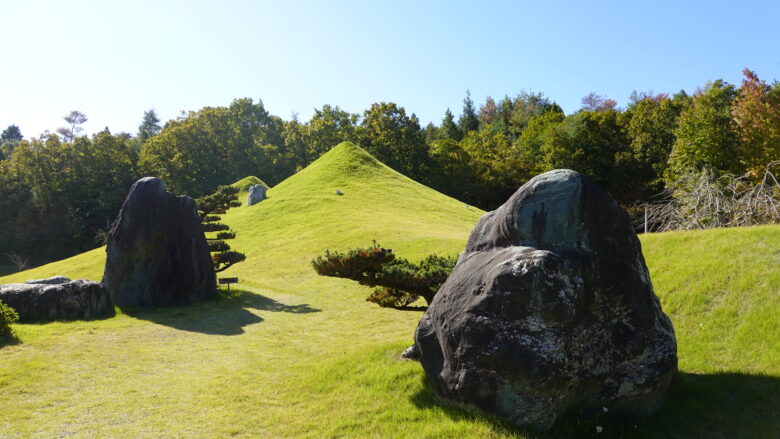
point(156, 250)
point(256, 194)
point(550, 309)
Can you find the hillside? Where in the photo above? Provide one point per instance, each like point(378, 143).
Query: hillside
point(299, 355)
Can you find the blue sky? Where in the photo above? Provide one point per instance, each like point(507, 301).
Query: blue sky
point(114, 60)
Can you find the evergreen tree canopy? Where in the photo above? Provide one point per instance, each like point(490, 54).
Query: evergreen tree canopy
point(401, 281)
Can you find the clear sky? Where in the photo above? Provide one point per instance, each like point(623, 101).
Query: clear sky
point(112, 60)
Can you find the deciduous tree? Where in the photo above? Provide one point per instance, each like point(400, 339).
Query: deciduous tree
point(756, 113)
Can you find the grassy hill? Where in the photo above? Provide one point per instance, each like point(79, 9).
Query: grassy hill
point(294, 354)
point(245, 182)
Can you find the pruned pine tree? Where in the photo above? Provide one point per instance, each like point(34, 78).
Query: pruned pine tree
point(210, 208)
point(400, 282)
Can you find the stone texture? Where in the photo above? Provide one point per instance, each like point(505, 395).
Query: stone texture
point(550, 309)
point(256, 194)
point(54, 280)
point(156, 252)
point(73, 300)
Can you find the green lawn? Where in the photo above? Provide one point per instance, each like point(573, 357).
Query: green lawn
point(294, 354)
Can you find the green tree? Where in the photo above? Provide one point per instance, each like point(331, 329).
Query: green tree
point(395, 139)
point(468, 120)
point(431, 133)
point(449, 129)
point(650, 123)
point(451, 171)
point(592, 143)
point(218, 145)
point(538, 133)
point(10, 137)
point(401, 282)
point(7, 316)
point(209, 209)
point(74, 119)
point(524, 107)
point(11, 134)
point(328, 127)
point(64, 195)
point(498, 167)
point(704, 134)
point(150, 125)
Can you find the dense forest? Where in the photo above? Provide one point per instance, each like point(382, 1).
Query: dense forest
point(60, 191)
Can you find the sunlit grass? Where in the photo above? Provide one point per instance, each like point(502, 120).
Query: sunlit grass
point(294, 354)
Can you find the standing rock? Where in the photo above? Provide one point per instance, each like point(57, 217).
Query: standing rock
point(256, 194)
point(73, 300)
point(156, 250)
point(550, 310)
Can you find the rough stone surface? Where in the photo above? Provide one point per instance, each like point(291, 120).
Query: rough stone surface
point(54, 280)
point(411, 353)
point(73, 300)
point(156, 252)
point(549, 310)
point(256, 194)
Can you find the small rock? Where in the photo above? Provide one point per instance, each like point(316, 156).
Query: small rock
point(411, 353)
point(256, 194)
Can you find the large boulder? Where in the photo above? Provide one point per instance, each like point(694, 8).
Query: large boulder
point(550, 310)
point(256, 194)
point(156, 252)
point(73, 300)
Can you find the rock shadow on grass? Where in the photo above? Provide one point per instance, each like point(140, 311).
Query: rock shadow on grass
point(717, 405)
point(227, 315)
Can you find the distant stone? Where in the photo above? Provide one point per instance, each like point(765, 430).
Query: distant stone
point(550, 310)
point(156, 252)
point(54, 280)
point(73, 300)
point(256, 194)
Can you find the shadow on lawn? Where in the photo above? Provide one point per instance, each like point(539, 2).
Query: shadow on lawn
point(719, 405)
point(9, 340)
point(224, 316)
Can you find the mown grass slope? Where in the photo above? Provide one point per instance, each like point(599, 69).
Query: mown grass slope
point(294, 354)
point(245, 182)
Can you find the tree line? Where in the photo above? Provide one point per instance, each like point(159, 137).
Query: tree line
point(59, 192)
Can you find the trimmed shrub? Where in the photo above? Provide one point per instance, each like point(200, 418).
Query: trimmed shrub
point(401, 282)
point(7, 316)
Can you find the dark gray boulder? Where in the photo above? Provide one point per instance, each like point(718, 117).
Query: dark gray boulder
point(550, 310)
point(156, 252)
point(54, 280)
point(256, 194)
point(74, 300)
